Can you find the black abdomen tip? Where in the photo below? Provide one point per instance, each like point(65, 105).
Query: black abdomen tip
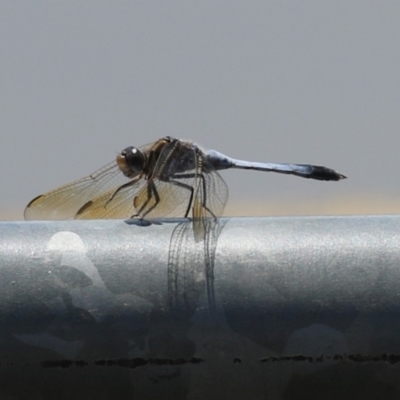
point(325, 174)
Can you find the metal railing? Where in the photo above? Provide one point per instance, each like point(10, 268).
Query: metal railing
point(263, 308)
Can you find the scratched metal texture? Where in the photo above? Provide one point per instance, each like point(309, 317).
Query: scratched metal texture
point(272, 308)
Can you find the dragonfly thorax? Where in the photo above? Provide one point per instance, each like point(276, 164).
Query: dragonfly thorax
point(131, 161)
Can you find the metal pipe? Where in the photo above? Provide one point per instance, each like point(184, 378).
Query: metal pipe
point(275, 308)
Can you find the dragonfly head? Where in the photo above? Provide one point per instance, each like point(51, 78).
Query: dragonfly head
point(131, 161)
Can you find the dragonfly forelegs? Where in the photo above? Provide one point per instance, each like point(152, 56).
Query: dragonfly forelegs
point(184, 185)
point(125, 185)
point(173, 180)
point(151, 189)
point(152, 192)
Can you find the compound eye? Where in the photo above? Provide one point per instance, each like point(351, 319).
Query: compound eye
point(131, 161)
point(135, 158)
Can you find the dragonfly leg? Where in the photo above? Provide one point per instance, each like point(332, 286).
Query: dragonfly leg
point(90, 202)
point(151, 190)
point(130, 183)
point(188, 187)
point(192, 175)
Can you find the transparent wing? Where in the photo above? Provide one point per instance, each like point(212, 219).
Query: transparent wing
point(65, 201)
point(146, 199)
point(182, 182)
point(164, 199)
point(212, 193)
point(209, 200)
point(112, 204)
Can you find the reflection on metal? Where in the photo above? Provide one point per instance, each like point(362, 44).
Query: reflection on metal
point(299, 307)
point(191, 267)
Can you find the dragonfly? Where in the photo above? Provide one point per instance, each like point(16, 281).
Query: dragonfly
point(167, 178)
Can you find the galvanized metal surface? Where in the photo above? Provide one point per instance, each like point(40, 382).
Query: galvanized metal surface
point(287, 308)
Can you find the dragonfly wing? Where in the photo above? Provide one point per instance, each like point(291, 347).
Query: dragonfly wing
point(159, 199)
point(65, 201)
point(111, 204)
point(209, 200)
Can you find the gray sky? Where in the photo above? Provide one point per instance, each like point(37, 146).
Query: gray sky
point(287, 81)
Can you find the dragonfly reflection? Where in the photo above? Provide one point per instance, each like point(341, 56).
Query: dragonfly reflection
point(167, 178)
